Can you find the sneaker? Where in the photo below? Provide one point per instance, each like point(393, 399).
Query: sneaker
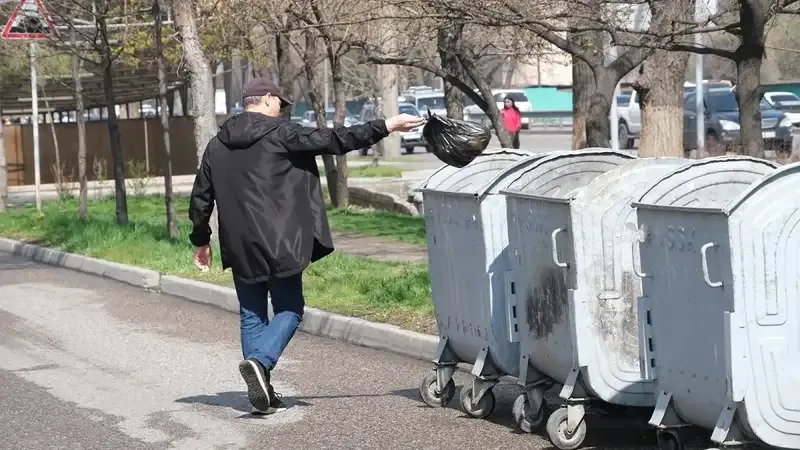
point(261, 394)
point(275, 406)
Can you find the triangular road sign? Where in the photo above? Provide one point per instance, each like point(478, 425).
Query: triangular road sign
point(29, 21)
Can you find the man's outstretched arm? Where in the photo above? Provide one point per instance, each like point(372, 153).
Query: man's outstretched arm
point(340, 140)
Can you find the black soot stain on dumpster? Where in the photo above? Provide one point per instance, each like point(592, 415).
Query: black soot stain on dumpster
point(546, 303)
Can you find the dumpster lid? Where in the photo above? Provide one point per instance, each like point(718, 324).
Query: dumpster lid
point(471, 177)
point(771, 177)
point(710, 183)
point(640, 169)
point(560, 175)
point(510, 172)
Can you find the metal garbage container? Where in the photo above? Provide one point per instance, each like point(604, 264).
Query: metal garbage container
point(718, 321)
point(445, 177)
point(465, 227)
point(577, 288)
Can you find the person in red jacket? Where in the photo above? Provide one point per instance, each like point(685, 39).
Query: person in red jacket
point(512, 119)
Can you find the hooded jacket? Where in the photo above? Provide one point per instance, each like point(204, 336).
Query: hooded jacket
point(262, 173)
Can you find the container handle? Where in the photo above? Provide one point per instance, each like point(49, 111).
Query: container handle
point(704, 259)
point(636, 270)
point(563, 265)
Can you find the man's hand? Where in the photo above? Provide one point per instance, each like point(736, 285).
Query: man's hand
point(202, 258)
point(404, 122)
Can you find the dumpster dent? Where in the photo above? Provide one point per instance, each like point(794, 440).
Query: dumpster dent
point(546, 303)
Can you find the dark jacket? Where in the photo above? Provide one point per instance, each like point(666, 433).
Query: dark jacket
point(263, 175)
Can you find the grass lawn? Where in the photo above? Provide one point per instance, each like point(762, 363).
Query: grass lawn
point(400, 159)
point(396, 227)
point(386, 292)
point(370, 172)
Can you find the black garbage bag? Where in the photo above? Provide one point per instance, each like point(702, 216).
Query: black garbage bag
point(455, 142)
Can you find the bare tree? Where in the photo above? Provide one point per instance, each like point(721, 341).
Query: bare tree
point(459, 54)
point(99, 46)
point(169, 201)
point(746, 20)
point(202, 87)
point(311, 58)
point(83, 202)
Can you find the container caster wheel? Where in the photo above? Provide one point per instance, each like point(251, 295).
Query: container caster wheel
point(484, 407)
point(429, 392)
point(669, 440)
point(557, 431)
point(527, 420)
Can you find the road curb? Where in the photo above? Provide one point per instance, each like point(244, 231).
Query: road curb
point(317, 322)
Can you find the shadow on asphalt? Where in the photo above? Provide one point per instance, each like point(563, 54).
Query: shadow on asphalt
point(235, 400)
point(626, 428)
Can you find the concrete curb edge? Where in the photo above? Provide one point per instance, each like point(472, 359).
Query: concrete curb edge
point(317, 322)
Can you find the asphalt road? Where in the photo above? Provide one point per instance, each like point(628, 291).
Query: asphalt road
point(87, 363)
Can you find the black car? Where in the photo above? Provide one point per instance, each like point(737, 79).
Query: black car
point(722, 122)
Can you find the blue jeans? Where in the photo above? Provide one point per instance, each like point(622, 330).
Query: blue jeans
point(262, 339)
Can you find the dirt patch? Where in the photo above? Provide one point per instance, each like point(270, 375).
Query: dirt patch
point(379, 249)
point(546, 303)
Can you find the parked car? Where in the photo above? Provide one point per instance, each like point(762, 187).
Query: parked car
point(629, 115)
point(721, 110)
point(786, 102)
point(409, 140)
point(520, 99)
point(309, 118)
point(432, 100)
point(707, 84)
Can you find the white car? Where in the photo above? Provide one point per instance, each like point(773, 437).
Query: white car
point(786, 102)
point(430, 100)
point(629, 115)
point(518, 95)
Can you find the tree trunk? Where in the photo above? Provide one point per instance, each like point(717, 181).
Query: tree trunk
point(169, 202)
point(83, 202)
point(660, 92)
point(377, 88)
point(582, 91)
point(343, 197)
point(115, 139)
point(448, 41)
point(749, 92)
point(598, 124)
point(331, 173)
point(59, 170)
point(3, 170)
point(749, 56)
point(205, 122)
point(285, 70)
point(583, 84)
point(660, 86)
point(201, 84)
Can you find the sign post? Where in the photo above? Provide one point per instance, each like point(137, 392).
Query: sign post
point(30, 21)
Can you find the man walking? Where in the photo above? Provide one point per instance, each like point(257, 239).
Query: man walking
point(262, 172)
